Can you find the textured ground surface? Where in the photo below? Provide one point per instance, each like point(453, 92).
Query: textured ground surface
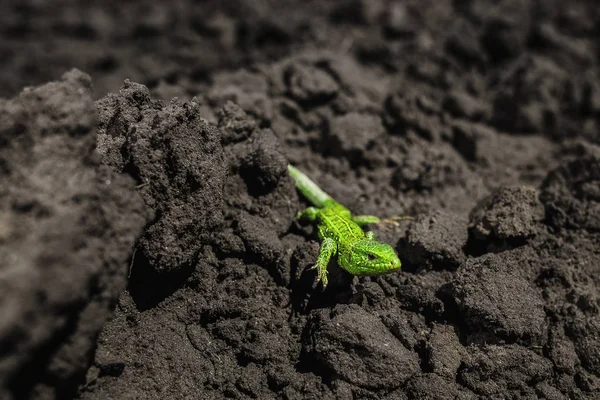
point(482, 122)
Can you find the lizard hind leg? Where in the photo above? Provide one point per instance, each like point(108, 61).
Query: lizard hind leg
point(309, 214)
point(363, 220)
point(327, 250)
point(394, 220)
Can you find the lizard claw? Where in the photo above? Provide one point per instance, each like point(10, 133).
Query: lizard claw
point(323, 279)
point(321, 275)
point(399, 218)
point(394, 221)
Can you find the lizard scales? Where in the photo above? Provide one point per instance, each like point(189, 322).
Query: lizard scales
point(341, 233)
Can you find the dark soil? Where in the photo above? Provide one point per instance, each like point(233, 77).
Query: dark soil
point(148, 247)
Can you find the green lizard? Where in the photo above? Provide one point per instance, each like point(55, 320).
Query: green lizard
point(358, 252)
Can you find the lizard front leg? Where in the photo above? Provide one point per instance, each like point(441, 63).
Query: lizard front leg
point(327, 250)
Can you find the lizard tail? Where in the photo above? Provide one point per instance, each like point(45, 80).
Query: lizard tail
point(308, 188)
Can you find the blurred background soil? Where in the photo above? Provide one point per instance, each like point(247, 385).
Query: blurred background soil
point(148, 244)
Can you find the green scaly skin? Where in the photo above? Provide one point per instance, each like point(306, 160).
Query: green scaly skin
point(341, 233)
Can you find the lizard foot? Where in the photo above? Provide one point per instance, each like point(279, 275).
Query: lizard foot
point(393, 221)
point(321, 275)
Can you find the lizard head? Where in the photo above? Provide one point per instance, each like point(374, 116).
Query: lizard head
point(370, 257)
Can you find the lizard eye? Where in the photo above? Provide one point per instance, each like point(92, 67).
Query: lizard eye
point(371, 257)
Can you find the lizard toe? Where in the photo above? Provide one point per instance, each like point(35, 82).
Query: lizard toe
point(323, 278)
